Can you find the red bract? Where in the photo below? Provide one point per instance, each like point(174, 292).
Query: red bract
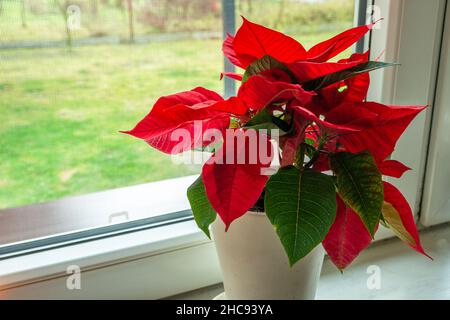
point(329, 128)
point(352, 114)
point(232, 75)
point(234, 177)
point(400, 218)
point(355, 88)
point(305, 71)
point(393, 168)
point(253, 41)
point(387, 123)
point(177, 122)
point(347, 237)
point(330, 48)
point(258, 92)
point(228, 51)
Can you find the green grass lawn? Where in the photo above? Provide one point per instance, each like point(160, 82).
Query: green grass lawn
point(61, 112)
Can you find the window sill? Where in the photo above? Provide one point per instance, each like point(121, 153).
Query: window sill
point(147, 264)
point(404, 273)
point(177, 258)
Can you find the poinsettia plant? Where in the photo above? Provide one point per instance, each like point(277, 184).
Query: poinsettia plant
point(334, 145)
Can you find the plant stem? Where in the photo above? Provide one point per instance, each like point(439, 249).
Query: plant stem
point(300, 156)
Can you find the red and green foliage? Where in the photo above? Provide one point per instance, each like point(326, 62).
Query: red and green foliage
point(334, 145)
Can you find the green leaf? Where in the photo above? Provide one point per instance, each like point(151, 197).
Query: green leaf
point(265, 120)
point(302, 206)
point(331, 78)
point(359, 185)
point(264, 64)
point(265, 126)
point(204, 214)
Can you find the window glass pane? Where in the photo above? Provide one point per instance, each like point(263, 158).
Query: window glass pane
point(75, 72)
point(308, 21)
point(62, 108)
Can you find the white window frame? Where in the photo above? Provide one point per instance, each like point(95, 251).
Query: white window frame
point(436, 198)
point(411, 34)
point(177, 258)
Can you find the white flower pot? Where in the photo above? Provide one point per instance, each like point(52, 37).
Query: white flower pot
point(255, 266)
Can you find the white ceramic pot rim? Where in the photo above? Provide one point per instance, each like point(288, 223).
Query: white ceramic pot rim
point(255, 213)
